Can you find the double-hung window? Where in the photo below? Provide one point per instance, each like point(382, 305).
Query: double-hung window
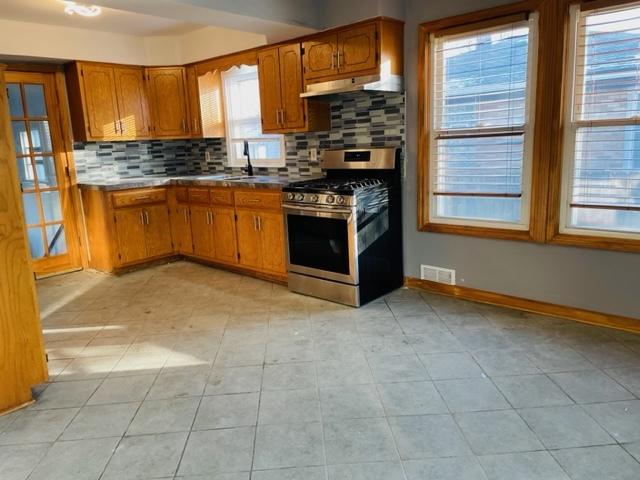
point(243, 121)
point(482, 84)
point(601, 149)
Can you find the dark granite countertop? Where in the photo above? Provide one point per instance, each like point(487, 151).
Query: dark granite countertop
point(222, 180)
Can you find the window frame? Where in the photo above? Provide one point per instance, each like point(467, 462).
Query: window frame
point(232, 161)
point(460, 24)
point(563, 140)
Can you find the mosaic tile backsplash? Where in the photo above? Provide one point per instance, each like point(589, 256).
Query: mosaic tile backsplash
point(357, 120)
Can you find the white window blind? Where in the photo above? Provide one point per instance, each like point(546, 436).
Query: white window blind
point(602, 142)
point(243, 121)
point(480, 146)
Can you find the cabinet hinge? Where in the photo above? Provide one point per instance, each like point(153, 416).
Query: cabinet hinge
point(46, 357)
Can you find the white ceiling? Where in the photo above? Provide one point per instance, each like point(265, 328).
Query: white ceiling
point(51, 12)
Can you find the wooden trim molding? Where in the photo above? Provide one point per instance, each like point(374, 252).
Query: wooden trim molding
point(541, 111)
point(590, 317)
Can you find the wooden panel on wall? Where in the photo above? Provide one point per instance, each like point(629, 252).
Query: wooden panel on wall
point(22, 360)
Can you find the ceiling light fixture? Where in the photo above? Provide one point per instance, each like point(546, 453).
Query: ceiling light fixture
point(73, 8)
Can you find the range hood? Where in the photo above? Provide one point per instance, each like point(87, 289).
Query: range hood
point(368, 83)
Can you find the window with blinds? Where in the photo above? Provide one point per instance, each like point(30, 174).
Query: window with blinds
point(602, 140)
point(481, 135)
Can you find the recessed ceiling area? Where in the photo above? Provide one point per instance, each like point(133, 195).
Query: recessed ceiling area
point(51, 12)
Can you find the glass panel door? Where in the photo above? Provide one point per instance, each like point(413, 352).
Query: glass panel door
point(38, 145)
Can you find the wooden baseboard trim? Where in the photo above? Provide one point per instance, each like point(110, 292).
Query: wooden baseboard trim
point(618, 322)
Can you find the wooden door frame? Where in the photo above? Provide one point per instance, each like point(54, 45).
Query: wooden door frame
point(76, 237)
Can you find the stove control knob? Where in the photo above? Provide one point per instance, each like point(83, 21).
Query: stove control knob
point(330, 199)
point(314, 198)
point(290, 196)
point(300, 197)
point(340, 200)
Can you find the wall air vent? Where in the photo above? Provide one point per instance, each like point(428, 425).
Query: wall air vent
point(438, 274)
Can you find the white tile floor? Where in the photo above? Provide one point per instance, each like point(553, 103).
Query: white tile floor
point(184, 371)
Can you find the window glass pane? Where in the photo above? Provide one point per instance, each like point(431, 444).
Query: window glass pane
point(40, 136)
point(51, 206)
point(480, 165)
point(34, 97)
point(480, 208)
point(46, 169)
point(242, 110)
point(25, 173)
point(20, 137)
point(483, 79)
point(31, 211)
point(607, 65)
point(36, 245)
point(15, 100)
point(56, 241)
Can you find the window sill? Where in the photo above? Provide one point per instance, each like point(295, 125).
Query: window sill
point(484, 232)
point(595, 241)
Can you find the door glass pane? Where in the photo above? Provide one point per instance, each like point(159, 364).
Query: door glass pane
point(56, 240)
point(46, 169)
point(15, 100)
point(25, 173)
point(36, 246)
point(34, 97)
point(20, 137)
point(31, 212)
point(51, 206)
point(40, 136)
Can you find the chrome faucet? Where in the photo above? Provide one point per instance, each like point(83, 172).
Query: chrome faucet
point(249, 167)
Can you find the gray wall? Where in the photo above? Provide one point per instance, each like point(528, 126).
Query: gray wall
point(592, 279)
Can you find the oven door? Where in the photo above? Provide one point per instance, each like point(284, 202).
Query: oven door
point(322, 243)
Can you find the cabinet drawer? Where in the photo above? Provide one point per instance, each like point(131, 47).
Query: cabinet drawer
point(138, 197)
point(199, 195)
point(182, 195)
point(258, 199)
point(222, 196)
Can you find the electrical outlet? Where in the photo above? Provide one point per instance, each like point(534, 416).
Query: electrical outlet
point(313, 154)
point(207, 156)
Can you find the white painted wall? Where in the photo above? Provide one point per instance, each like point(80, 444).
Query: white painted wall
point(24, 39)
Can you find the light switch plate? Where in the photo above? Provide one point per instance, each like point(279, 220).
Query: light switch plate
point(313, 154)
point(207, 156)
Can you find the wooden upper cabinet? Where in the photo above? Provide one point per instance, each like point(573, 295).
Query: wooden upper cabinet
point(193, 95)
point(357, 51)
point(361, 49)
point(100, 109)
point(293, 107)
point(281, 108)
point(320, 57)
point(211, 104)
point(168, 101)
point(132, 102)
point(270, 89)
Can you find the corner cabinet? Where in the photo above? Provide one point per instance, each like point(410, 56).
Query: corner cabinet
point(107, 102)
point(282, 109)
point(355, 50)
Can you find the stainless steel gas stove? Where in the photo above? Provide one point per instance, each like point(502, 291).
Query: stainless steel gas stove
point(344, 234)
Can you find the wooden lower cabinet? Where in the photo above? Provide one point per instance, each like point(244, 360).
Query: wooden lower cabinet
point(237, 227)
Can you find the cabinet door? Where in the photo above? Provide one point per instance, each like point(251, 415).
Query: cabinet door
point(224, 234)
point(249, 239)
point(181, 228)
point(132, 102)
point(270, 96)
point(101, 102)
point(168, 100)
point(157, 230)
point(202, 231)
point(131, 235)
point(193, 94)
point(320, 57)
point(291, 86)
point(271, 227)
point(357, 49)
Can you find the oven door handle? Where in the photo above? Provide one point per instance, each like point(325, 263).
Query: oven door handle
point(345, 214)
